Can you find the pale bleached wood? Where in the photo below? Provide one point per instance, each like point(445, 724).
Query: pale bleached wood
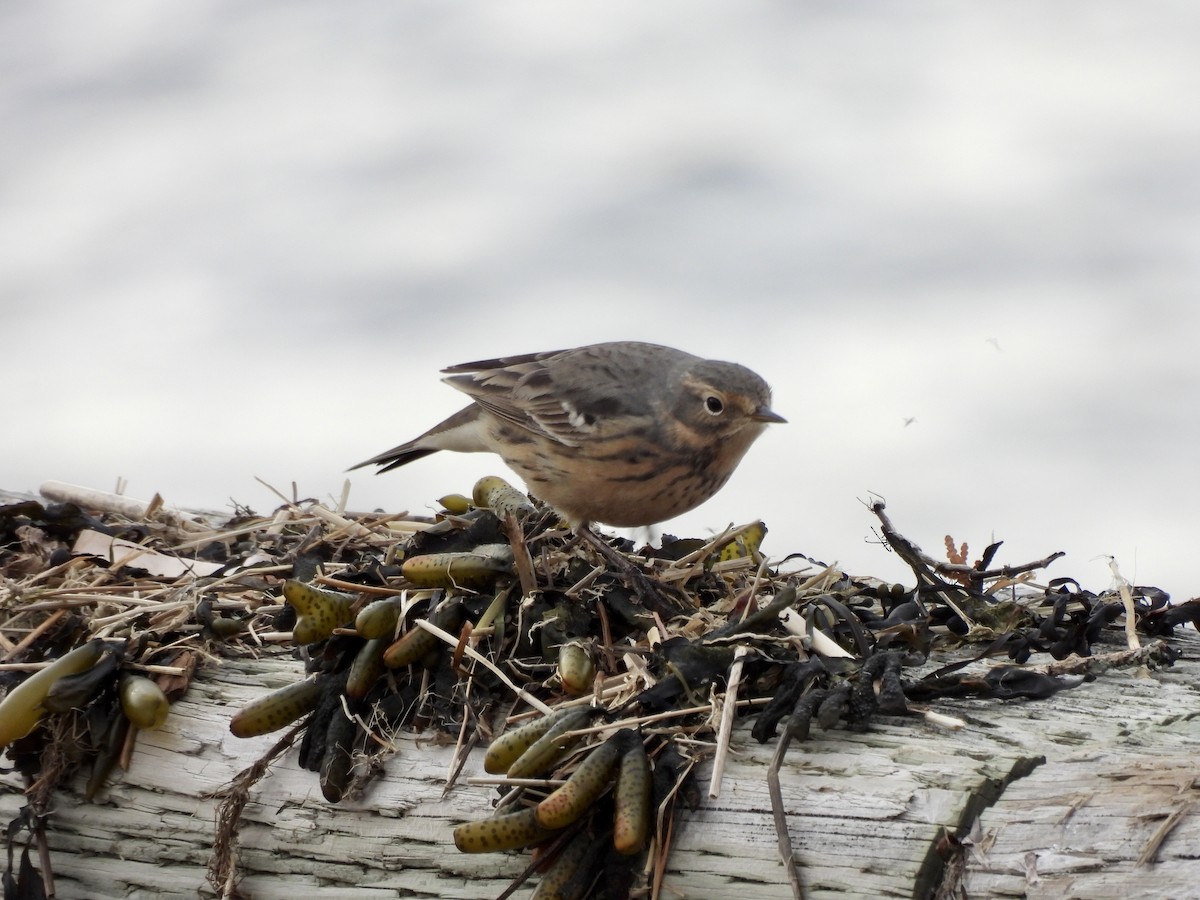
point(106, 501)
point(1078, 827)
point(864, 809)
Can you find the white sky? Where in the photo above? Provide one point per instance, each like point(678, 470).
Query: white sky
point(240, 240)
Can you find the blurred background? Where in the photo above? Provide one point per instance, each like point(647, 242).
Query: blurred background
point(961, 241)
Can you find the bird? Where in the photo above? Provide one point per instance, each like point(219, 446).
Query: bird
point(623, 433)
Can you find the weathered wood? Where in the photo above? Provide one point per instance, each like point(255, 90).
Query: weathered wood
point(1080, 784)
point(1082, 825)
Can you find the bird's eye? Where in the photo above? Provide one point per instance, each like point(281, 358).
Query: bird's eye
point(714, 405)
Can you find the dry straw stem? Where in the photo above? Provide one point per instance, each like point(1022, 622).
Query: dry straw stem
point(728, 709)
point(659, 718)
point(36, 633)
point(486, 663)
point(729, 534)
point(1126, 598)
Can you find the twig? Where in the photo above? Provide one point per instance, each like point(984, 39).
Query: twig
point(910, 553)
point(585, 582)
point(522, 561)
point(45, 626)
point(39, 834)
point(352, 586)
point(786, 854)
point(484, 661)
point(464, 744)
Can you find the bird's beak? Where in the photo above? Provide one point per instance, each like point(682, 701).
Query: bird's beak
point(766, 414)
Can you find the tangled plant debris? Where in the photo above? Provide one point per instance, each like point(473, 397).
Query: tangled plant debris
point(596, 677)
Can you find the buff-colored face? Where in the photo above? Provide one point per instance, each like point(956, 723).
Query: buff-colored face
point(719, 398)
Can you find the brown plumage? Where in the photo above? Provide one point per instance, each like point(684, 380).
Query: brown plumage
point(623, 433)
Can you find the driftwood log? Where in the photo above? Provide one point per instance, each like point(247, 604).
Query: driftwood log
point(1089, 793)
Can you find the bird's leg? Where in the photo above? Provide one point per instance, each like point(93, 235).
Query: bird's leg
point(647, 592)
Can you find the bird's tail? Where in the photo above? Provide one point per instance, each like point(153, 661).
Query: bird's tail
point(394, 458)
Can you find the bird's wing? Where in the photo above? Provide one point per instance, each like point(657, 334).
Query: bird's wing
point(565, 395)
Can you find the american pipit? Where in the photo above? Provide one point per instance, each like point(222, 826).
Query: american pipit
point(623, 433)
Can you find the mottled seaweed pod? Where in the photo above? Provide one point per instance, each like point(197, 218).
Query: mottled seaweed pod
point(632, 816)
point(275, 710)
point(589, 780)
point(22, 708)
point(505, 832)
point(318, 611)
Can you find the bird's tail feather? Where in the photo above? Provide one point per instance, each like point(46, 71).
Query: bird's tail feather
point(394, 458)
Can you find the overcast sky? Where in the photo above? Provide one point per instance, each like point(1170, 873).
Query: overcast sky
point(961, 241)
